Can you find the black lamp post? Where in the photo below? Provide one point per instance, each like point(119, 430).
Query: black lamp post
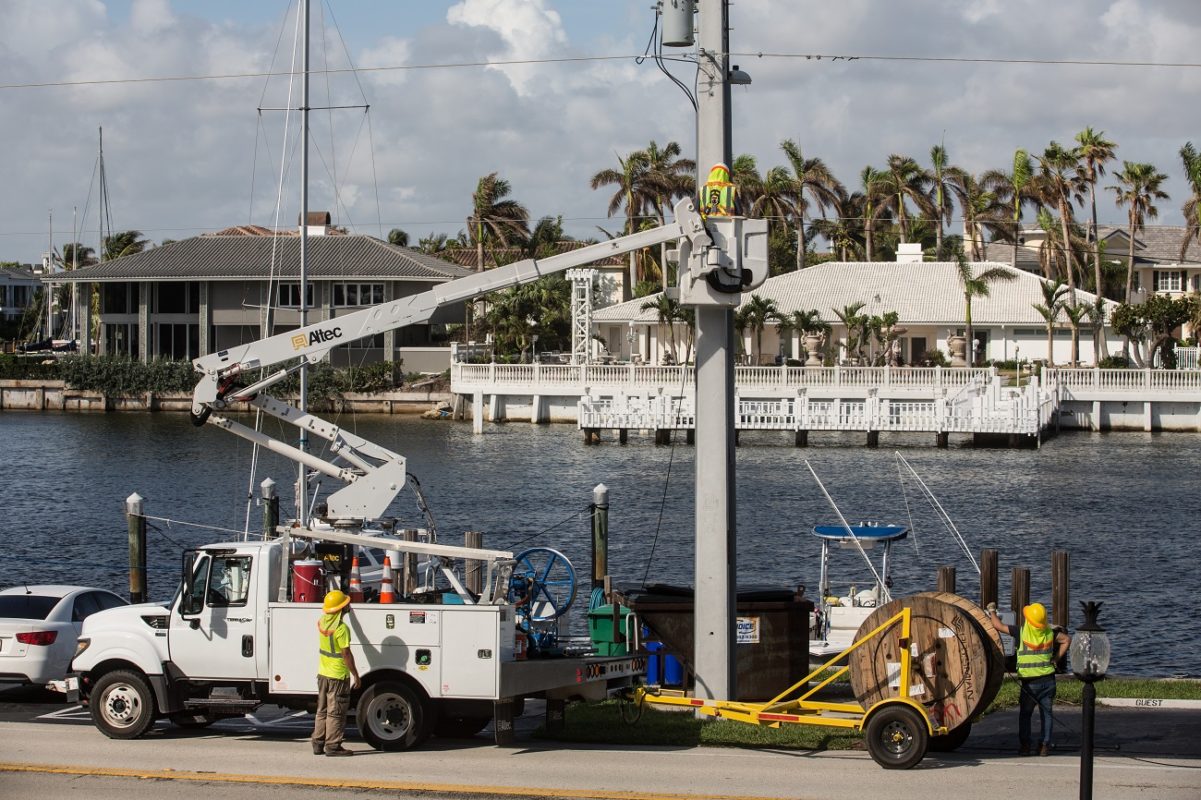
point(1089, 657)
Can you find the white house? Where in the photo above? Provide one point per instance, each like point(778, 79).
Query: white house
point(927, 297)
point(17, 288)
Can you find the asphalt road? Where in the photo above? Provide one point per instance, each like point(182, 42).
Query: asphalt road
point(51, 750)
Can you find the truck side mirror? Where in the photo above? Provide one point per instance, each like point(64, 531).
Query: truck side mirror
point(189, 602)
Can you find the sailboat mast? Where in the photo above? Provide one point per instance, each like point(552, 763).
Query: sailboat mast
point(301, 486)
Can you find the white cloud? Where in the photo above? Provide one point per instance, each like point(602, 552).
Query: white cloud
point(528, 29)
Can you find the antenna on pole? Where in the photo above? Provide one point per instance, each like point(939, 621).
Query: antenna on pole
point(301, 484)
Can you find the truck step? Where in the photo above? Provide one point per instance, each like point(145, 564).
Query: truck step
point(230, 703)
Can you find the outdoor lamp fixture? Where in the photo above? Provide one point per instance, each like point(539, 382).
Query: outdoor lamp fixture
point(738, 77)
point(1089, 657)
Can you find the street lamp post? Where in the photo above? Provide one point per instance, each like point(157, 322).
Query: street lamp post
point(1089, 657)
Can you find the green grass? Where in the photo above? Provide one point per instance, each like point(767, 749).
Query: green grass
point(603, 723)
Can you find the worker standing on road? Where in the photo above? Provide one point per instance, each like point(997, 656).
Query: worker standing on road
point(336, 676)
point(1039, 648)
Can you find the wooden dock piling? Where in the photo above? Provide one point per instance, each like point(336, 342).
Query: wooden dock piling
point(988, 577)
point(600, 535)
point(134, 513)
point(946, 579)
point(1019, 591)
point(1061, 571)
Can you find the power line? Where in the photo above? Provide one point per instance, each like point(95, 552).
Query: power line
point(586, 59)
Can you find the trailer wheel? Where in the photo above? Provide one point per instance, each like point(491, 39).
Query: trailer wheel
point(460, 727)
point(951, 741)
point(122, 705)
point(897, 737)
point(391, 716)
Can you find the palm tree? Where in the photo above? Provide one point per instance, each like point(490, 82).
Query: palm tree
point(981, 209)
point(855, 323)
point(77, 254)
point(906, 181)
point(1096, 315)
point(1192, 207)
point(433, 244)
point(1095, 151)
point(671, 177)
point(494, 217)
point(1061, 187)
point(1048, 309)
point(1015, 188)
point(940, 173)
point(748, 183)
point(775, 199)
point(873, 184)
point(759, 312)
point(808, 323)
point(1076, 315)
point(637, 188)
point(123, 243)
point(544, 237)
point(398, 238)
point(811, 177)
point(976, 285)
point(843, 229)
point(669, 312)
point(1139, 188)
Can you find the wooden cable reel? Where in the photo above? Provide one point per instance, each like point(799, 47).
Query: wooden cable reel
point(952, 659)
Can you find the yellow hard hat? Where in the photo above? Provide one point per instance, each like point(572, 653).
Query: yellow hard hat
point(335, 601)
point(1036, 615)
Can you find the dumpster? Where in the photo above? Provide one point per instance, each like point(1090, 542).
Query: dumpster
point(772, 636)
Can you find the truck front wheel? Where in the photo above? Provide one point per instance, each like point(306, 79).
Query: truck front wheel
point(122, 704)
point(391, 716)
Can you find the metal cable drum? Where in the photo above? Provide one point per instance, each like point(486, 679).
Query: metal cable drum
point(992, 642)
point(949, 660)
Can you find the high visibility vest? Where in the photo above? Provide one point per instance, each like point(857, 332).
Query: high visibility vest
point(333, 637)
point(1036, 653)
point(717, 193)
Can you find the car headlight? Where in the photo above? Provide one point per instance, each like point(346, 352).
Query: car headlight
point(81, 645)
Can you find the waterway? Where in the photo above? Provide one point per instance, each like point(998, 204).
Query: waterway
point(1121, 503)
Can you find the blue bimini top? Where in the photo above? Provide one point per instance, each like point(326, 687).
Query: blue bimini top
point(878, 533)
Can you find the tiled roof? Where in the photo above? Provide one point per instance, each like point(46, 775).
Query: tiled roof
point(467, 256)
point(921, 293)
point(240, 257)
point(1157, 244)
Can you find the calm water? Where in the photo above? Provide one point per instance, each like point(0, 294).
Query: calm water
point(1120, 503)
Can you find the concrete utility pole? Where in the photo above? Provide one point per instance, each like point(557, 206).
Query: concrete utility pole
point(716, 527)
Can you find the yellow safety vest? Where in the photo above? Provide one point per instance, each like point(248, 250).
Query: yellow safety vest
point(717, 193)
point(1036, 654)
point(333, 639)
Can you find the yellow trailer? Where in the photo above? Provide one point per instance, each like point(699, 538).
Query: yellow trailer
point(897, 730)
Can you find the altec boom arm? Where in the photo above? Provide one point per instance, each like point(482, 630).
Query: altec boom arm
point(375, 475)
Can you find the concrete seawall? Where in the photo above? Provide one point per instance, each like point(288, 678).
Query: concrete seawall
point(47, 395)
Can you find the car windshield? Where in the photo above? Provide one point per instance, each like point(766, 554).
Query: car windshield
point(26, 606)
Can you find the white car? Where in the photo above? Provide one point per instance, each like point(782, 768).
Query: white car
point(39, 627)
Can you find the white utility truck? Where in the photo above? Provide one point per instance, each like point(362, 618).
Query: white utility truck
point(233, 638)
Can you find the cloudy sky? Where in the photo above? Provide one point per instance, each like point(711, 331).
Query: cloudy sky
point(187, 156)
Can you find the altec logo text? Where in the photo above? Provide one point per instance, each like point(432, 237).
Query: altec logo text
point(300, 341)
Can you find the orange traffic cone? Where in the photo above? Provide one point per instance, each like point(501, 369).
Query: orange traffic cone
point(356, 581)
point(387, 591)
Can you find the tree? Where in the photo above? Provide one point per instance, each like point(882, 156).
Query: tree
point(1048, 309)
point(77, 254)
point(1139, 188)
point(759, 312)
point(398, 238)
point(748, 183)
point(874, 186)
point(495, 218)
point(884, 330)
point(940, 173)
point(811, 179)
point(433, 244)
point(544, 237)
point(1060, 187)
point(1192, 207)
point(905, 181)
point(807, 323)
point(1096, 315)
point(1016, 189)
point(1076, 315)
point(1094, 151)
point(981, 209)
point(843, 230)
point(668, 311)
point(671, 177)
point(976, 285)
point(855, 324)
point(123, 243)
point(1156, 319)
point(637, 188)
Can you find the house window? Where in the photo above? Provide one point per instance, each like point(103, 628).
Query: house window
point(177, 341)
point(1168, 280)
point(121, 339)
point(358, 294)
point(288, 295)
point(116, 298)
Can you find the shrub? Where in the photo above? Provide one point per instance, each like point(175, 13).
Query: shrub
point(1118, 361)
point(25, 368)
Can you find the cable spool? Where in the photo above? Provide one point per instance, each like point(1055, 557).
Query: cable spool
point(992, 642)
point(950, 661)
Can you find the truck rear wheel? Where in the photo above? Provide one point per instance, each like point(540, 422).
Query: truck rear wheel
point(122, 704)
point(391, 716)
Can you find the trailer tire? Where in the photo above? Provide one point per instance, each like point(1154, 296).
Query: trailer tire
point(897, 737)
point(122, 704)
point(390, 716)
point(951, 741)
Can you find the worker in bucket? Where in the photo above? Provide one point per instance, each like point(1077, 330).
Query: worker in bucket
point(336, 676)
point(1039, 649)
point(717, 195)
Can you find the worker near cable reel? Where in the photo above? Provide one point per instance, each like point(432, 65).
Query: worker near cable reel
point(1039, 649)
point(337, 676)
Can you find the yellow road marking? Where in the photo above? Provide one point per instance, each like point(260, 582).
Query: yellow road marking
point(359, 783)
